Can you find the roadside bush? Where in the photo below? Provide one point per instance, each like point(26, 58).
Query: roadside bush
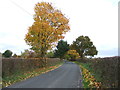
point(16, 65)
point(72, 55)
point(105, 70)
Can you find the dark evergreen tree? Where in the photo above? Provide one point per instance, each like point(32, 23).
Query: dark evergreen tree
point(62, 48)
point(7, 53)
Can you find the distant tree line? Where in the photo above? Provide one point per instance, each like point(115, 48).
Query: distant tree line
point(49, 27)
point(80, 48)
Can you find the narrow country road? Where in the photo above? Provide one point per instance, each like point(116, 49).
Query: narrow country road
point(66, 76)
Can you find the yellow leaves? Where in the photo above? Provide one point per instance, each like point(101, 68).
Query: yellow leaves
point(29, 74)
point(73, 54)
point(6, 83)
point(71, 51)
point(49, 26)
point(89, 78)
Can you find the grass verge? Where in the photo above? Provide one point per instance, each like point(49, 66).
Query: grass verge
point(9, 80)
point(88, 76)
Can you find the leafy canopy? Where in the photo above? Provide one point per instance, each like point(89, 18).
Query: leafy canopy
point(49, 26)
point(28, 54)
point(7, 53)
point(50, 54)
point(62, 48)
point(72, 55)
point(84, 46)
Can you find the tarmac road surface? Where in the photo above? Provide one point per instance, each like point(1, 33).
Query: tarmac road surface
point(66, 76)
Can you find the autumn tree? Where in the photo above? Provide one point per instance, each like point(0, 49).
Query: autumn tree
point(72, 55)
point(62, 48)
point(49, 26)
point(84, 46)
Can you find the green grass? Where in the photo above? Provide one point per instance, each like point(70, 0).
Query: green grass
point(85, 84)
point(88, 67)
point(96, 74)
point(17, 76)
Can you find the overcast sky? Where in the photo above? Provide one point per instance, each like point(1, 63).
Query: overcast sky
point(97, 19)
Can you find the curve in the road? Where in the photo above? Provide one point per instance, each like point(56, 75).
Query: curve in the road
point(66, 76)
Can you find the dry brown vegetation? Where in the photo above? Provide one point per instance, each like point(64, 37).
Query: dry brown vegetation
point(17, 65)
point(105, 70)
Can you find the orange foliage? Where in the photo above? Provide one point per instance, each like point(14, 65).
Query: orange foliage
point(48, 27)
point(73, 54)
